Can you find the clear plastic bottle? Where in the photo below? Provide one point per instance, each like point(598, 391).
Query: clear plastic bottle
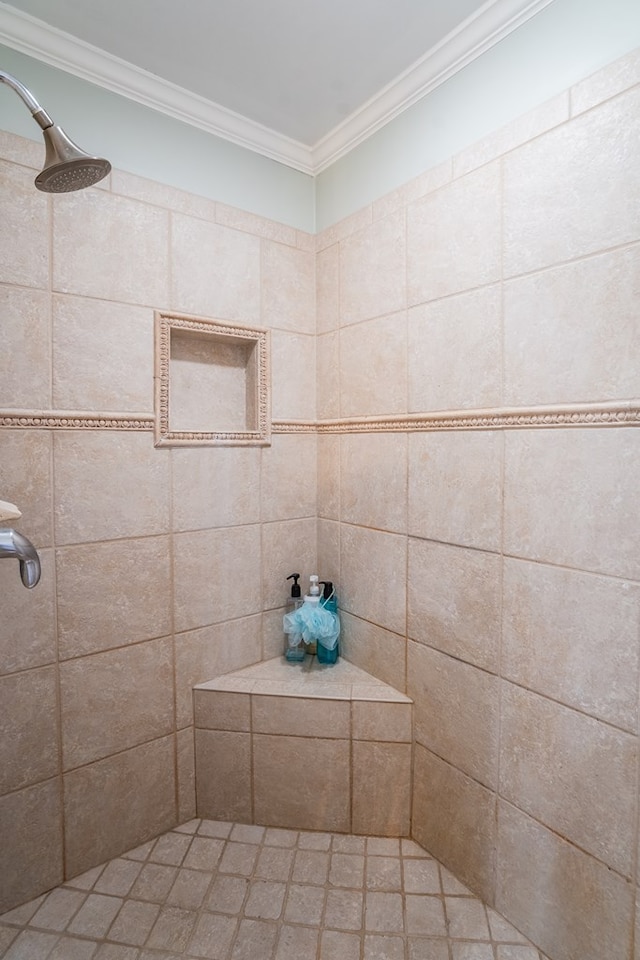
point(293, 646)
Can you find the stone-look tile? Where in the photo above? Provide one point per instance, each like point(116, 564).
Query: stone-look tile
point(256, 938)
point(25, 364)
point(288, 546)
point(109, 485)
point(91, 369)
point(213, 936)
point(300, 716)
point(454, 818)
point(347, 870)
point(383, 912)
point(456, 711)
point(373, 367)
point(134, 922)
point(343, 228)
point(455, 487)
point(172, 930)
point(215, 270)
point(259, 226)
point(58, 909)
point(454, 349)
point(28, 728)
point(329, 552)
point(115, 700)
point(293, 376)
point(301, 782)
point(26, 480)
point(189, 889)
point(327, 288)
point(373, 480)
point(372, 270)
point(227, 894)
point(215, 487)
point(117, 803)
point(265, 900)
point(589, 520)
point(546, 184)
point(203, 654)
point(344, 910)
point(204, 853)
point(378, 651)
point(466, 918)
point(110, 594)
point(582, 910)
point(289, 456)
point(95, 915)
point(384, 873)
point(525, 127)
point(384, 947)
point(288, 281)
point(24, 245)
point(274, 641)
point(111, 248)
point(381, 788)
point(454, 601)
point(615, 78)
point(339, 946)
point(373, 575)
point(208, 567)
point(154, 882)
point(26, 152)
point(222, 710)
point(571, 636)
point(28, 635)
point(223, 775)
point(454, 237)
point(429, 181)
point(118, 877)
point(328, 376)
point(274, 863)
point(31, 850)
point(305, 903)
point(328, 476)
point(162, 195)
point(425, 916)
point(389, 722)
point(577, 775)
point(297, 943)
point(571, 332)
point(186, 773)
point(171, 848)
point(421, 876)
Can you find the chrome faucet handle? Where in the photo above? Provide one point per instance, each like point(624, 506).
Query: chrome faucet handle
point(13, 544)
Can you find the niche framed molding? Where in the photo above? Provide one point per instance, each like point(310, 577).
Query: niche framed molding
point(212, 384)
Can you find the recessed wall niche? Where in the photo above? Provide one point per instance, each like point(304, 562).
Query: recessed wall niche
point(211, 382)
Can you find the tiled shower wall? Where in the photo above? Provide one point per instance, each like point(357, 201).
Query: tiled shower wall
point(161, 567)
point(494, 574)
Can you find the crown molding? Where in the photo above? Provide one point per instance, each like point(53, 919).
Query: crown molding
point(474, 36)
point(495, 20)
point(37, 39)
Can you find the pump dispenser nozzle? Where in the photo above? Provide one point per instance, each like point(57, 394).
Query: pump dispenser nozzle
point(295, 586)
point(327, 592)
point(314, 589)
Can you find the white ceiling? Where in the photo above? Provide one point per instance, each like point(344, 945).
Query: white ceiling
point(300, 80)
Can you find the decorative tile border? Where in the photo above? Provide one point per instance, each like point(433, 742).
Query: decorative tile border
point(575, 415)
point(76, 420)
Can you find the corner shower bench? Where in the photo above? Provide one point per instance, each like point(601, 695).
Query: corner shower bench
point(304, 746)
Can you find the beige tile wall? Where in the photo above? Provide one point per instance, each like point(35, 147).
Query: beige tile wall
point(494, 574)
point(159, 565)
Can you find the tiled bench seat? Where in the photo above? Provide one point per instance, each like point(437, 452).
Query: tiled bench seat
point(304, 746)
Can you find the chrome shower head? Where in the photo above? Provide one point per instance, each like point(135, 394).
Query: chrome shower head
point(66, 166)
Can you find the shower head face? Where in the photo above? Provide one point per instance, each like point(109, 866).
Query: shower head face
point(72, 175)
point(66, 166)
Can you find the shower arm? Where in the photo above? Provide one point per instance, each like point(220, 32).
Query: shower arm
point(39, 115)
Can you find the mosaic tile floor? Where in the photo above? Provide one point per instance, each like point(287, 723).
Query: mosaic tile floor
point(233, 892)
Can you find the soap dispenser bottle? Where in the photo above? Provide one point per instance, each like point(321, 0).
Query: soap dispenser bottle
point(330, 602)
point(294, 646)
